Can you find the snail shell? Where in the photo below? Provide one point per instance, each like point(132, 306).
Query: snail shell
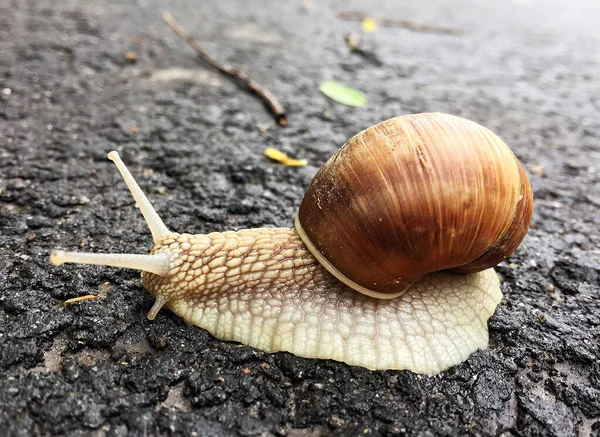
point(413, 195)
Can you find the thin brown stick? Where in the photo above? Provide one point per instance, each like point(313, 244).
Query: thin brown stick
point(82, 298)
point(234, 73)
point(405, 24)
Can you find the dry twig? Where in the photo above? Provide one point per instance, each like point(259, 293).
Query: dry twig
point(234, 73)
point(405, 24)
point(82, 298)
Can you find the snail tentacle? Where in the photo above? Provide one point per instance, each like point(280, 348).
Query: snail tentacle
point(157, 264)
point(154, 222)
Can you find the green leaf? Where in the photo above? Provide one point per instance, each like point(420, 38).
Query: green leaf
point(343, 94)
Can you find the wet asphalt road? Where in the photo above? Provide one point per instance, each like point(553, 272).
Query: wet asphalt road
point(528, 70)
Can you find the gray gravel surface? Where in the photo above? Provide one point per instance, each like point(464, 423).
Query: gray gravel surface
point(528, 70)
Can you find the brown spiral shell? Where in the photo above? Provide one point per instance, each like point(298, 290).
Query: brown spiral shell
point(413, 195)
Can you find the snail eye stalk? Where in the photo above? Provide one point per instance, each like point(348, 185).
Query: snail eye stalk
point(157, 264)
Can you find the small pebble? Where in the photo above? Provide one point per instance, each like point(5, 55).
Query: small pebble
point(130, 57)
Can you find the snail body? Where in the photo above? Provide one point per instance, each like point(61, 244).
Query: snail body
point(390, 201)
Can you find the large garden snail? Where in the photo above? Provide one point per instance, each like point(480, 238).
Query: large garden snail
point(388, 266)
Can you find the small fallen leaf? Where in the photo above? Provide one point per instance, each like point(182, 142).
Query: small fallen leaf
point(343, 94)
point(134, 129)
point(279, 156)
point(369, 25)
point(246, 370)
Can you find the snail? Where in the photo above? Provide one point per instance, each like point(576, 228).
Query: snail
point(389, 265)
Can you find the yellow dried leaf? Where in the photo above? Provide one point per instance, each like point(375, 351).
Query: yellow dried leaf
point(279, 156)
point(369, 25)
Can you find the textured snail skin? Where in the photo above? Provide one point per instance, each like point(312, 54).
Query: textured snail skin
point(263, 288)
